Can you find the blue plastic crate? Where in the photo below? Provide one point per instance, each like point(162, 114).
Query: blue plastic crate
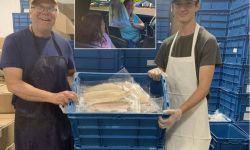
point(216, 77)
point(115, 131)
point(237, 50)
point(239, 3)
point(213, 100)
point(139, 60)
point(235, 77)
point(222, 42)
point(215, 4)
point(163, 28)
point(226, 136)
point(244, 126)
point(233, 105)
point(162, 36)
point(216, 22)
point(20, 21)
point(239, 21)
point(24, 5)
point(98, 60)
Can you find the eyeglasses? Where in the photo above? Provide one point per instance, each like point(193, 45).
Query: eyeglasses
point(185, 5)
point(40, 9)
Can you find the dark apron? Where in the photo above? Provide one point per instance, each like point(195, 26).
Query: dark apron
point(40, 125)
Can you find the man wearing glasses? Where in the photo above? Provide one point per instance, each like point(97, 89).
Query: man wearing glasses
point(37, 64)
point(188, 58)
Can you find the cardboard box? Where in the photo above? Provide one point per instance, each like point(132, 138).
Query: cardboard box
point(5, 100)
point(6, 130)
point(67, 9)
point(1, 43)
point(63, 24)
point(1, 72)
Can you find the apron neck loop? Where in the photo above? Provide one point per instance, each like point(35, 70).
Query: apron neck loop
point(197, 27)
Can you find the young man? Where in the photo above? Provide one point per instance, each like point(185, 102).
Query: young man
point(36, 63)
point(188, 58)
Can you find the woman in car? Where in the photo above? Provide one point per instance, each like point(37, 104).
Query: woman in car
point(131, 33)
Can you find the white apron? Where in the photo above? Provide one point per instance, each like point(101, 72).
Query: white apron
point(192, 131)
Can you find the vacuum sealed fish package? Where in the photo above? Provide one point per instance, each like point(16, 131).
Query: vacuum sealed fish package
point(119, 92)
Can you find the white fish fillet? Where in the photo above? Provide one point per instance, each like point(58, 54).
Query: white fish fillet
point(118, 97)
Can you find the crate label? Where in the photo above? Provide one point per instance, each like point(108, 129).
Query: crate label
point(235, 50)
point(151, 63)
point(26, 10)
point(248, 88)
point(248, 109)
point(246, 116)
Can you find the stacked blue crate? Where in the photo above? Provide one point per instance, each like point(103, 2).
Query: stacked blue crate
point(20, 21)
point(24, 5)
point(163, 19)
point(227, 136)
point(98, 60)
point(213, 16)
point(139, 61)
point(234, 97)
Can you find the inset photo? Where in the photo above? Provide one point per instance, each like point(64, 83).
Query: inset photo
point(111, 24)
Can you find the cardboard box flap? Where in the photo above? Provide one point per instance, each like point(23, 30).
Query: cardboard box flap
point(63, 24)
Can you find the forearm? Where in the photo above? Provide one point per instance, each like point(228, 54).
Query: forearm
point(28, 92)
point(139, 26)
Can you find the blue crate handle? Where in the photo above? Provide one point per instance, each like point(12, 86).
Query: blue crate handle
point(164, 83)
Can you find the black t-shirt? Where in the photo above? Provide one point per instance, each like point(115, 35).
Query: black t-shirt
point(206, 50)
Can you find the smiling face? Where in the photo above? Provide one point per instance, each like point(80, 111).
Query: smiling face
point(43, 15)
point(185, 11)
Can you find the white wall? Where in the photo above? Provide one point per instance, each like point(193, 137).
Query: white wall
point(7, 7)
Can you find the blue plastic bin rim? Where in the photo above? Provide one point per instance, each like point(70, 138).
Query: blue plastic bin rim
point(117, 113)
point(107, 73)
point(245, 137)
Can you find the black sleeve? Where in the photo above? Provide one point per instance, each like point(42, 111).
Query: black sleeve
point(210, 53)
point(161, 57)
point(11, 56)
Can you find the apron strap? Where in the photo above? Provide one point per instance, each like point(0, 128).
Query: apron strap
point(172, 45)
point(197, 27)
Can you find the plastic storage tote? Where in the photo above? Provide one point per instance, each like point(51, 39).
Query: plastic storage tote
point(226, 136)
point(244, 126)
point(233, 105)
point(117, 131)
